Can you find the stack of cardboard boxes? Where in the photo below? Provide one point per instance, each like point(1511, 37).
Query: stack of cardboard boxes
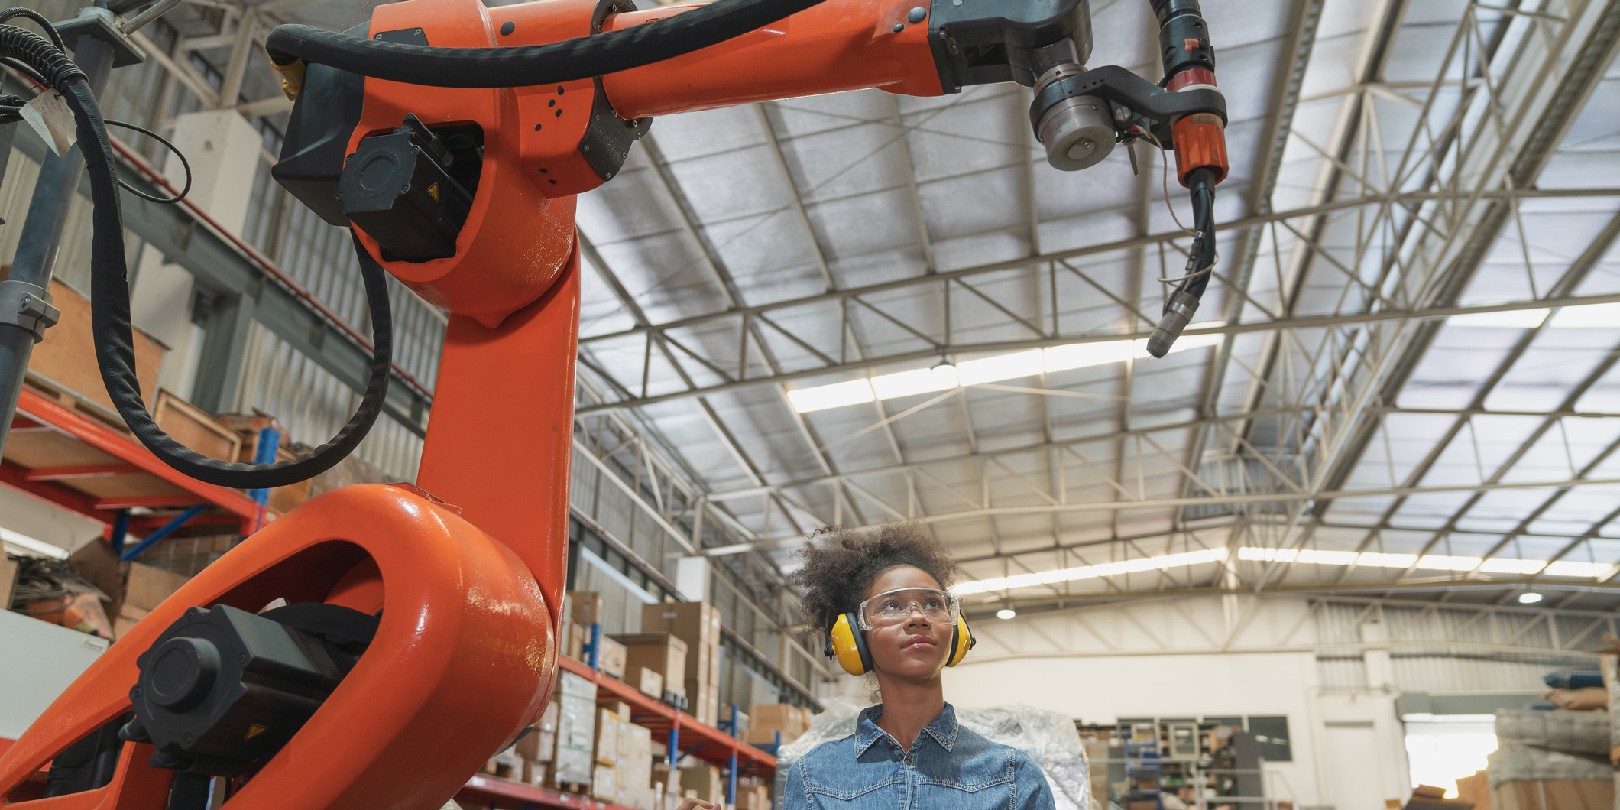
point(662, 654)
point(574, 759)
point(538, 749)
point(700, 781)
point(753, 793)
point(584, 609)
point(766, 720)
point(624, 756)
point(697, 624)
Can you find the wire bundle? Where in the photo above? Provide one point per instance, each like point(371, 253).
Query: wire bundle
point(45, 60)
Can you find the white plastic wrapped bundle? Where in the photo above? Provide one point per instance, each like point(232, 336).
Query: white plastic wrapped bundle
point(1523, 763)
point(1569, 732)
point(1049, 738)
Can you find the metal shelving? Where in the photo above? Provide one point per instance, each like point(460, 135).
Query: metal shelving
point(61, 455)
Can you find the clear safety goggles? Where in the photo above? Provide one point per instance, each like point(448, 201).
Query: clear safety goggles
point(893, 607)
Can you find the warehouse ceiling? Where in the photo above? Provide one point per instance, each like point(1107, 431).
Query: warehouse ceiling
point(1401, 381)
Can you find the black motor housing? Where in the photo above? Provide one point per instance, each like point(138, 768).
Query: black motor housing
point(222, 690)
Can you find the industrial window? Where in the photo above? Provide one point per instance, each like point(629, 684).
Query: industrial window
point(1271, 732)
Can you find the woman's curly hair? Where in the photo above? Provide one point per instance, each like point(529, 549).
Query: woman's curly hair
point(840, 565)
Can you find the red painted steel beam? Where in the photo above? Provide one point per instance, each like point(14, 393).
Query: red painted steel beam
point(125, 448)
point(83, 471)
point(16, 477)
point(175, 500)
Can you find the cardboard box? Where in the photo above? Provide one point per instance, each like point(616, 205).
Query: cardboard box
point(607, 737)
point(635, 766)
point(659, 652)
point(576, 642)
point(704, 701)
point(1559, 795)
point(611, 657)
point(1428, 797)
point(766, 719)
point(147, 586)
point(576, 731)
point(1475, 789)
point(505, 765)
point(605, 784)
point(619, 708)
point(704, 780)
point(126, 620)
point(585, 607)
point(96, 562)
point(528, 746)
point(548, 718)
point(697, 624)
point(535, 773)
point(648, 682)
point(66, 358)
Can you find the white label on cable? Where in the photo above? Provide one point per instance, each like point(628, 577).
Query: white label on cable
point(50, 116)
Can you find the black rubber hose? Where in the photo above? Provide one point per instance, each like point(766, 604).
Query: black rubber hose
point(109, 299)
point(526, 65)
point(1204, 251)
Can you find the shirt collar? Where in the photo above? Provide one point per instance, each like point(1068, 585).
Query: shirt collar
point(867, 732)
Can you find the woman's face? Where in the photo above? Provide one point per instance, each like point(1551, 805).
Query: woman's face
point(916, 647)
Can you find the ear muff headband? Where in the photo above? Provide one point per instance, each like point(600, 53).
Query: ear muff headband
point(847, 643)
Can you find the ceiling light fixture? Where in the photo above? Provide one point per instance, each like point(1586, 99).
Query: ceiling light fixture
point(1006, 613)
point(945, 375)
point(1589, 316)
point(1529, 598)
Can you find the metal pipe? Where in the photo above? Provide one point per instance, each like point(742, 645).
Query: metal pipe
point(42, 232)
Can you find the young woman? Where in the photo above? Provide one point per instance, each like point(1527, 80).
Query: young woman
point(882, 598)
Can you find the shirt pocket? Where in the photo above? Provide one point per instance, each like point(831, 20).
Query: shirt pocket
point(850, 792)
point(967, 792)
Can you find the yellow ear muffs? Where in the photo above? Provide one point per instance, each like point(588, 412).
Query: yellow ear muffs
point(846, 643)
point(962, 640)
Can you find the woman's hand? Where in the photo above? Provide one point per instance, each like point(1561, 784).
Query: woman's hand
point(695, 804)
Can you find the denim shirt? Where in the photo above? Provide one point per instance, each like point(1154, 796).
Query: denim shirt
point(948, 768)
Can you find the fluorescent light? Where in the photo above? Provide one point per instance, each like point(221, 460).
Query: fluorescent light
point(1002, 367)
point(944, 377)
point(1529, 598)
point(837, 395)
point(1319, 557)
point(1086, 355)
point(1443, 562)
point(1006, 613)
point(1591, 316)
point(1582, 570)
point(1517, 319)
point(1378, 559)
point(1109, 569)
point(1509, 565)
point(920, 381)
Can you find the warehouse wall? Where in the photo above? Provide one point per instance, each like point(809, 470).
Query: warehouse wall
point(1105, 689)
point(1335, 670)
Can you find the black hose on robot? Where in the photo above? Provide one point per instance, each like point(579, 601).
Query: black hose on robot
point(444, 67)
point(110, 308)
point(525, 65)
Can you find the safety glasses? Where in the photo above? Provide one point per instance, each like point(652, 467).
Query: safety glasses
point(893, 607)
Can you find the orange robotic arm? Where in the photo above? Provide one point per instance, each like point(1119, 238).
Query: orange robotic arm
point(419, 634)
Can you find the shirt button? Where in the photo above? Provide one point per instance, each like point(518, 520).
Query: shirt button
point(908, 760)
